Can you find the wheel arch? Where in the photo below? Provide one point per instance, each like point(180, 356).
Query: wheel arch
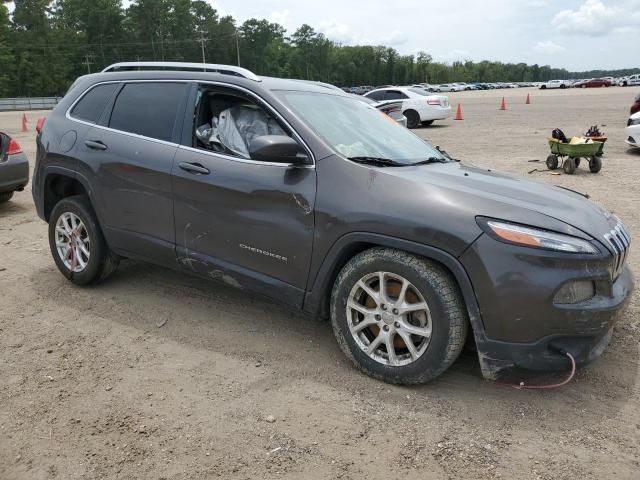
point(59, 183)
point(317, 297)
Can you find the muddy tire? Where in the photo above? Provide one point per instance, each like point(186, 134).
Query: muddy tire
point(569, 166)
point(77, 243)
point(595, 164)
point(552, 162)
point(418, 343)
point(5, 196)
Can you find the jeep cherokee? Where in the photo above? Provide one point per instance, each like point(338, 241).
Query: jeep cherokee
point(309, 196)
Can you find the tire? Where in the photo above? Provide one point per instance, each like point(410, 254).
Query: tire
point(562, 87)
point(413, 119)
point(577, 160)
point(427, 123)
point(100, 263)
point(595, 164)
point(543, 87)
point(552, 162)
point(569, 166)
point(5, 196)
point(429, 283)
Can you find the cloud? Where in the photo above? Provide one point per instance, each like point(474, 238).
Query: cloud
point(282, 17)
point(548, 48)
point(453, 56)
point(594, 18)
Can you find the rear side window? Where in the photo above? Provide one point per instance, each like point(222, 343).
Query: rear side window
point(91, 105)
point(379, 95)
point(395, 95)
point(148, 109)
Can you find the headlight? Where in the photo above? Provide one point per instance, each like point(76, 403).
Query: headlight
point(633, 121)
point(536, 238)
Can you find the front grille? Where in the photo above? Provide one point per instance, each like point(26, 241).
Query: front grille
point(619, 240)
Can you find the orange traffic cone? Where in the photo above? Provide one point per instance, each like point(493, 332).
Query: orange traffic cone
point(528, 101)
point(503, 104)
point(459, 113)
point(24, 122)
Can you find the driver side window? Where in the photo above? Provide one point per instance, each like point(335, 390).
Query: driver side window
point(226, 122)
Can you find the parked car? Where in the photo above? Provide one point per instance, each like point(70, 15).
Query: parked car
point(633, 130)
point(554, 84)
point(593, 83)
point(631, 80)
point(419, 106)
point(304, 194)
point(14, 168)
point(635, 108)
point(448, 87)
point(392, 108)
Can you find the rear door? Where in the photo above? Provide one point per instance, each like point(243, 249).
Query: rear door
point(129, 155)
point(248, 223)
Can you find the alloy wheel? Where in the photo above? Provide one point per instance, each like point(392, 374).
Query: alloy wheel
point(72, 242)
point(389, 319)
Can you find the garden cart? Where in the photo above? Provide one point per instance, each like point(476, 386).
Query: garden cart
point(571, 154)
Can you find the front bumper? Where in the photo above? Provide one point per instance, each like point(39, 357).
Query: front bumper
point(633, 135)
point(14, 173)
point(523, 327)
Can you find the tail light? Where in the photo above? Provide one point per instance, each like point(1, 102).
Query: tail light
point(39, 124)
point(14, 147)
point(433, 101)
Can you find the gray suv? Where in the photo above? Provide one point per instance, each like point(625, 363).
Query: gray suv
point(311, 197)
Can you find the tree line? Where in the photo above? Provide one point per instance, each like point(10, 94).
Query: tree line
point(45, 45)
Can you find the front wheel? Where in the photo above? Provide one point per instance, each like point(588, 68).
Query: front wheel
point(413, 118)
point(552, 162)
point(569, 166)
point(77, 244)
point(400, 318)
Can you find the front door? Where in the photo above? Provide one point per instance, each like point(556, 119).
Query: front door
point(245, 222)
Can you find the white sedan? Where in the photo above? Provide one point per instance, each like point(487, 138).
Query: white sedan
point(555, 84)
point(633, 130)
point(449, 87)
point(418, 105)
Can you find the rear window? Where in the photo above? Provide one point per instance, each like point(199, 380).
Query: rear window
point(148, 109)
point(91, 105)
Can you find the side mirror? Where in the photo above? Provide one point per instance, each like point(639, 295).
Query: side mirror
point(277, 148)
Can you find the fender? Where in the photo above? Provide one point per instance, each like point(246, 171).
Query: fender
point(343, 247)
point(55, 169)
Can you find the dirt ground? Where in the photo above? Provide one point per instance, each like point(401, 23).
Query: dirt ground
point(158, 375)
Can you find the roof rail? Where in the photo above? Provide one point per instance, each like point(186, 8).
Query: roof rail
point(203, 67)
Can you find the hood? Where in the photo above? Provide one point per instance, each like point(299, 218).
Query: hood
point(486, 192)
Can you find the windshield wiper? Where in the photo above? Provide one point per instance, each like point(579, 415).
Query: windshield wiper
point(430, 160)
point(378, 161)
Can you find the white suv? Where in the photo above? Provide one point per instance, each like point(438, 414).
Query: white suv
point(630, 80)
point(418, 105)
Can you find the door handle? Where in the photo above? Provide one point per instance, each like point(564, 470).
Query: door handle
point(95, 144)
point(194, 168)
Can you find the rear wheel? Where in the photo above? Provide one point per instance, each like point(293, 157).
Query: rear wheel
point(595, 164)
point(398, 317)
point(5, 196)
point(552, 162)
point(77, 244)
point(413, 119)
point(563, 86)
point(569, 166)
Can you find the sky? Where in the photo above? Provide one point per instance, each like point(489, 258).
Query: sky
point(578, 35)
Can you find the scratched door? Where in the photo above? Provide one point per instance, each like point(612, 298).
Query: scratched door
point(243, 216)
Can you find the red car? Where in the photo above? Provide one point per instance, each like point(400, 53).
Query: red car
point(594, 82)
point(635, 108)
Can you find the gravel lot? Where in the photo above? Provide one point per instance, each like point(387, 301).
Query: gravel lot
point(158, 375)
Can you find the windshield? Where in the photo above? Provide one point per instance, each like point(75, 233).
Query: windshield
point(355, 129)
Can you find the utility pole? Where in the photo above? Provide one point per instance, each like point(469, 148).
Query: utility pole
point(87, 63)
point(202, 39)
point(238, 47)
